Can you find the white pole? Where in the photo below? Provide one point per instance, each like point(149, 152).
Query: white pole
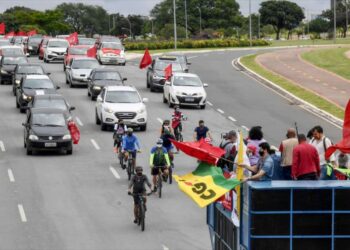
point(200, 19)
point(186, 20)
point(250, 23)
point(175, 31)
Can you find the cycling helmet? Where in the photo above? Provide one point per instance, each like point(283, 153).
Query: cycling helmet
point(130, 130)
point(138, 169)
point(159, 143)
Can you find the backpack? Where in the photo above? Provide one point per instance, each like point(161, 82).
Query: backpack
point(139, 183)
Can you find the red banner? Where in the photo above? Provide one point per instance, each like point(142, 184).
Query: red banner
point(73, 38)
point(2, 28)
point(111, 51)
point(92, 52)
point(10, 34)
point(168, 71)
point(21, 33)
point(146, 60)
point(32, 33)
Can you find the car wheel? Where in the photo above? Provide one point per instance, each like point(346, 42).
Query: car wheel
point(203, 106)
point(98, 121)
point(45, 60)
point(29, 151)
point(67, 81)
point(70, 151)
point(17, 104)
point(164, 99)
point(64, 67)
point(147, 82)
point(123, 64)
point(143, 127)
point(170, 104)
point(103, 126)
point(14, 91)
point(24, 143)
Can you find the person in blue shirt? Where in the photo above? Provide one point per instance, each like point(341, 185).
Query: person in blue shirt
point(201, 132)
point(130, 145)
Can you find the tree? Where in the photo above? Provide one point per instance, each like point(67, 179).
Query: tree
point(281, 15)
point(319, 25)
point(341, 16)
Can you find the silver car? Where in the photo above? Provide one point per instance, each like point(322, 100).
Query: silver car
point(79, 69)
point(55, 50)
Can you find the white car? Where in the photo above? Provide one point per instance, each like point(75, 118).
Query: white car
point(55, 50)
point(185, 89)
point(121, 102)
point(111, 53)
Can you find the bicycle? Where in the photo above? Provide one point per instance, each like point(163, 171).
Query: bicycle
point(160, 180)
point(178, 134)
point(130, 168)
point(117, 144)
point(141, 211)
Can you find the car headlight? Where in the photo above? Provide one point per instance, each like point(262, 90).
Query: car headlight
point(4, 72)
point(96, 87)
point(33, 138)
point(18, 81)
point(30, 47)
point(141, 111)
point(67, 137)
point(108, 110)
point(178, 93)
point(24, 96)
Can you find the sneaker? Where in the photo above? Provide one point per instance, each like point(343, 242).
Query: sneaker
point(124, 166)
point(135, 221)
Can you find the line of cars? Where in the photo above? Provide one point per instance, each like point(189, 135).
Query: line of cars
point(183, 88)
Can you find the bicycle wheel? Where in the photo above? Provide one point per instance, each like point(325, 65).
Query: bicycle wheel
point(142, 217)
point(129, 170)
point(139, 215)
point(160, 184)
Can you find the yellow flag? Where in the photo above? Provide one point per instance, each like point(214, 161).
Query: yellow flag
point(240, 170)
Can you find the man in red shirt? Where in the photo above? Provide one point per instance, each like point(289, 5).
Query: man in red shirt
point(306, 162)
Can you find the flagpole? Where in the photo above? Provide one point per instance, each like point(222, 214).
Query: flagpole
point(175, 31)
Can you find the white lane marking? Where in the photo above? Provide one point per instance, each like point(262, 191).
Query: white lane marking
point(165, 247)
point(11, 177)
point(246, 128)
point(79, 121)
point(2, 146)
point(209, 103)
point(114, 172)
point(220, 111)
point(160, 120)
point(22, 214)
point(191, 57)
point(232, 119)
point(95, 144)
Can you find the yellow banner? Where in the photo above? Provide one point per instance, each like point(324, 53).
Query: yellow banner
point(240, 170)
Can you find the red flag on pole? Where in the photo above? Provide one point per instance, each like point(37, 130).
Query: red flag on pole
point(92, 52)
point(2, 28)
point(146, 60)
point(344, 144)
point(168, 71)
point(31, 33)
point(73, 38)
point(74, 132)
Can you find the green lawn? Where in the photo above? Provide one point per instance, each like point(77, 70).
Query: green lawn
point(249, 62)
point(309, 42)
point(333, 60)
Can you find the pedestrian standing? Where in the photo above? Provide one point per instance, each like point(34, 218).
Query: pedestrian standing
point(286, 148)
point(306, 162)
point(321, 143)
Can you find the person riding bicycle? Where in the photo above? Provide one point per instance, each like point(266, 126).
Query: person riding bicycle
point(166, 125)
point(119, 131)
point(159, 159)
point(137, 186)
point(176, 122)
point(130, 145)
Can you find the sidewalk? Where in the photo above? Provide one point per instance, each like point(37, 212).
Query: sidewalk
point(288, 64)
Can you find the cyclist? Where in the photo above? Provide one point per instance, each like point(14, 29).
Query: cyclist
point(137, 186)
point(159, 159)
point(130, 145)
point(119, 131)
point(176, 123)
point(201, 132)
point(166, 125)
point(166, 136)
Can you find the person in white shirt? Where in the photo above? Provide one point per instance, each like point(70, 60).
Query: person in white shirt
point(322, 143)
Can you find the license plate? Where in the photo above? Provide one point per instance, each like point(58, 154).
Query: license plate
point(189, 99)
point(50, 144)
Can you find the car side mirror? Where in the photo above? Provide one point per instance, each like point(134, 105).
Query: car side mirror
point(71, 108)
point(189, 63)
point(125, 79)
point(99, 99)
point(205, 85)
point(144, 99)
point(58, 87)
point(49, 73)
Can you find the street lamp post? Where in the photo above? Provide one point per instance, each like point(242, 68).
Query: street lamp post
point(258, 26)
point(335, 20)
point(186, 20)
point(200, 19)
point(175, 31)
point(129, 26)
point(250, 23)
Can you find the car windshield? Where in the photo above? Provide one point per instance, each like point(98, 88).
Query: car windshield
point(4, 42)
point(12, 52)
point(14, 60)
point(38, 84)
point(122, 97)
point(58, 44)
point(107, 76)
point(85, 64)
point(50, 103)
point(161, 65)
point(187, 81)
point(48, 120)
point(30, 70)
point(86, 41)
point(112, 46)
point(77, 51)
point(34, 40)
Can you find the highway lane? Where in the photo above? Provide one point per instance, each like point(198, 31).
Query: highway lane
point(249, 102)
point(75, 202)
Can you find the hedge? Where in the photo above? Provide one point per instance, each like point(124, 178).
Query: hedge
point(193, 44)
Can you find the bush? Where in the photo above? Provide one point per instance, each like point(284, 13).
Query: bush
point(194, 44)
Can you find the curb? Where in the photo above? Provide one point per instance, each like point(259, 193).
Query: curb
point(294, 99)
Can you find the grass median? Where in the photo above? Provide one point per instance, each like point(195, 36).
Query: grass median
point(304, 94)
point(333, 60)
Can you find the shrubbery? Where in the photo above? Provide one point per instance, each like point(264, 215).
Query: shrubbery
point(193, 44)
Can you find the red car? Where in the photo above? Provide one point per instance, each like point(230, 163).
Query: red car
point(75, 52)
point(42, 47)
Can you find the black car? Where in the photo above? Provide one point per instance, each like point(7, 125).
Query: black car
point(53, 101)
point(46, 129)
point(32, 45)
point(181, 58)
point(22, 70)
point(30, 86)
point(7, 67)
point(102, 77)
point(156, 75)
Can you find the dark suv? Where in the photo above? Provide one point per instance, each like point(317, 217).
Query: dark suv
point(7, 67)
point(22, 70)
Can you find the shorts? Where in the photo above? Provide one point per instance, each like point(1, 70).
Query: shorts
point(155, 170)
point(133, 153)
point(136, 198)
point(169, 148)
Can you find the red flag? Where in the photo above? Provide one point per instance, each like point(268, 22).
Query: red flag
point(74, 132)
point(92, 52)
point(31, 33)
point(344, 144)
point(168, 71)
point(146, 60)
point(10, 34)
point(200, 150)
point(73, 38)
point(21, 33)
point(2, 28)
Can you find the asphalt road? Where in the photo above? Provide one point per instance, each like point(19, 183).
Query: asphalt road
point(53, 201)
